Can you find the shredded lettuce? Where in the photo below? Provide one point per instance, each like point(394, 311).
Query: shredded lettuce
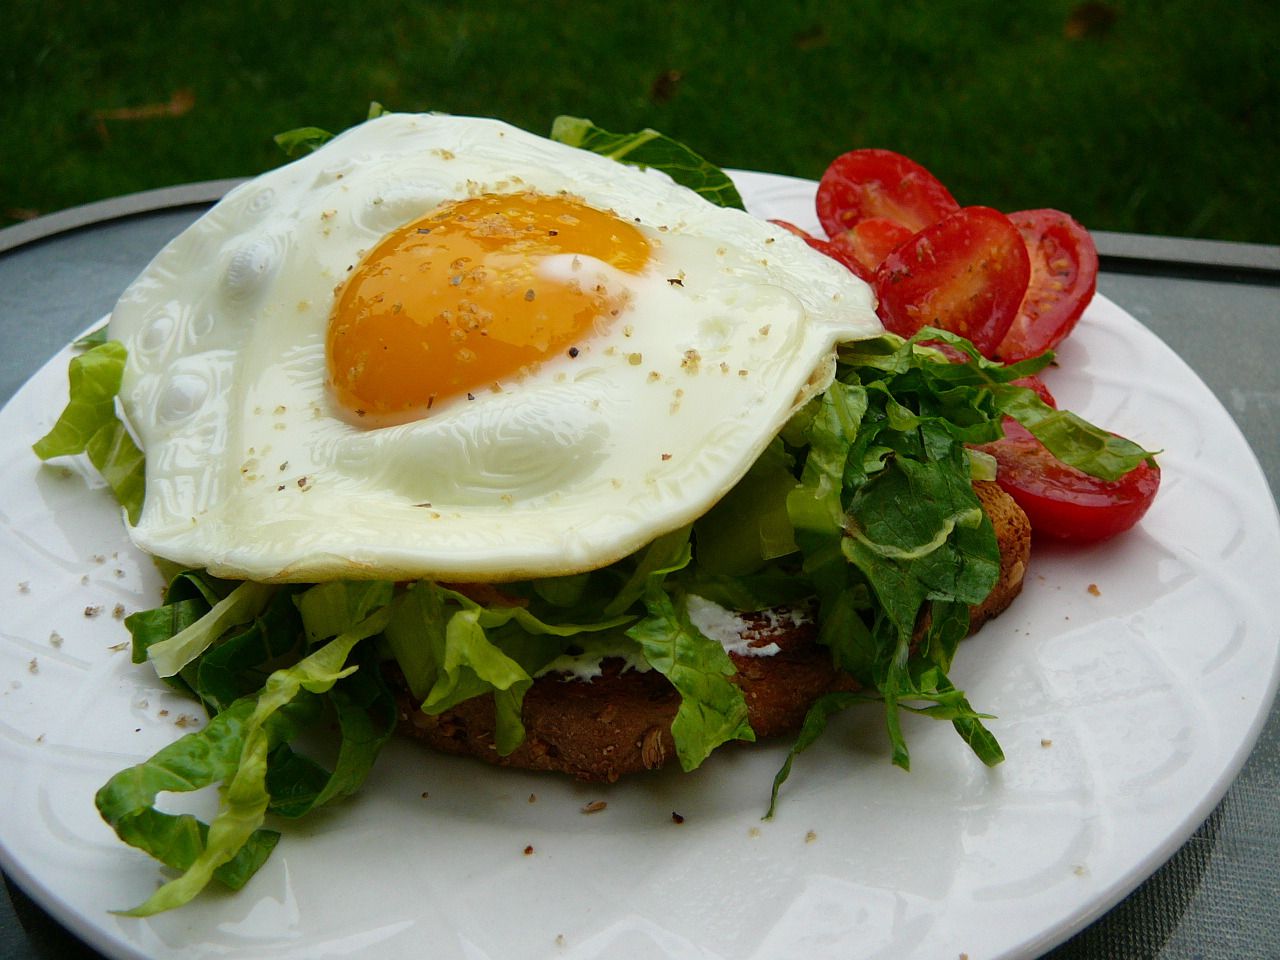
point(863, 504)
point(750, 523)
point(89, 425)
point(451, 648)
point(890, 527)
point(712, 709)
point(244, 750)
point(242, 604)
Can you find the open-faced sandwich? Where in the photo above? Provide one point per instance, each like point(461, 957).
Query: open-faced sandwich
point(542, 457)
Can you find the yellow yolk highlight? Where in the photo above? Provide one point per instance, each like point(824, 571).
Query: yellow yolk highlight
point(457, 301)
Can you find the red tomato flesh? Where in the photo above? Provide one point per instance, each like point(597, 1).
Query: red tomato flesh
point(837, 252)
point(1064, 276)
point(871, 240)
point(1062, 502)
point(880, 183)
point(966, 273)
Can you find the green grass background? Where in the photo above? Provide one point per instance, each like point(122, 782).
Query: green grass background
point(1135, 116)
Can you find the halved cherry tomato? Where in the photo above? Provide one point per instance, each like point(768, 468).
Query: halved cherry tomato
point(966, 273)
point(880, 183)
point(1064, 275)
point(839, 253)
point(1062, 502)
point(871, 240)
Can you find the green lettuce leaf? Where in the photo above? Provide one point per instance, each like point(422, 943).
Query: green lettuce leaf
point(229, 676)
point(750, 525)
point(328, 609)
point(366, 713)
point(243, 771)
point(95, 337)
point(451, 648)
point(199, 759)
point(1070, 438)
point(890, 527)
point(864, 503)
point(89, 425)
point(241, 605)
point(303, 140)
point(237, 665)
point(814, 725)
point(974, 396)
point(712, 709)
point(649, 148)
point(668, 553)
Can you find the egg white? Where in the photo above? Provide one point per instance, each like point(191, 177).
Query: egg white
point(252, 473)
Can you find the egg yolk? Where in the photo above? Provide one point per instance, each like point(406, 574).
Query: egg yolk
point(465, 298)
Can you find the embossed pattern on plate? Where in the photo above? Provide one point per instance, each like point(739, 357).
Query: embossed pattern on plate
point(1130, 681)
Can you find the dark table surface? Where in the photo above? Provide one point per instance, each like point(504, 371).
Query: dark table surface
point(1215, 304)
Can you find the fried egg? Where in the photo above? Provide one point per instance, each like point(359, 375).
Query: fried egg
point(443, 347)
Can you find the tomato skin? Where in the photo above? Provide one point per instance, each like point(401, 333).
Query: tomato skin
point(1064, 503)
point(840, 254)
point(966, 273)
point(869, 241)
point(880, 183)
point(1064, 276)
point(1061, 502)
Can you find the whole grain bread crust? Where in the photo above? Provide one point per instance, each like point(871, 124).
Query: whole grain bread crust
point(620, 722)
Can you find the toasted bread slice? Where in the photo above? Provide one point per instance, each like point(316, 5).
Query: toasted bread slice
point(620, 722)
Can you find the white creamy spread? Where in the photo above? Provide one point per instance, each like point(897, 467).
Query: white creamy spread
point(713, 621)
point(588, 666)
point(726, 628)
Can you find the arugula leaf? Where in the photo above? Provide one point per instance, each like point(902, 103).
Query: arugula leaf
point(649, 148)
point(89, 425)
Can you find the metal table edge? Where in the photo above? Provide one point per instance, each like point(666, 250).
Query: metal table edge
point(1120, 252)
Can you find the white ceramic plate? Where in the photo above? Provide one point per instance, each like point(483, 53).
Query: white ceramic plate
point(1130, 681)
